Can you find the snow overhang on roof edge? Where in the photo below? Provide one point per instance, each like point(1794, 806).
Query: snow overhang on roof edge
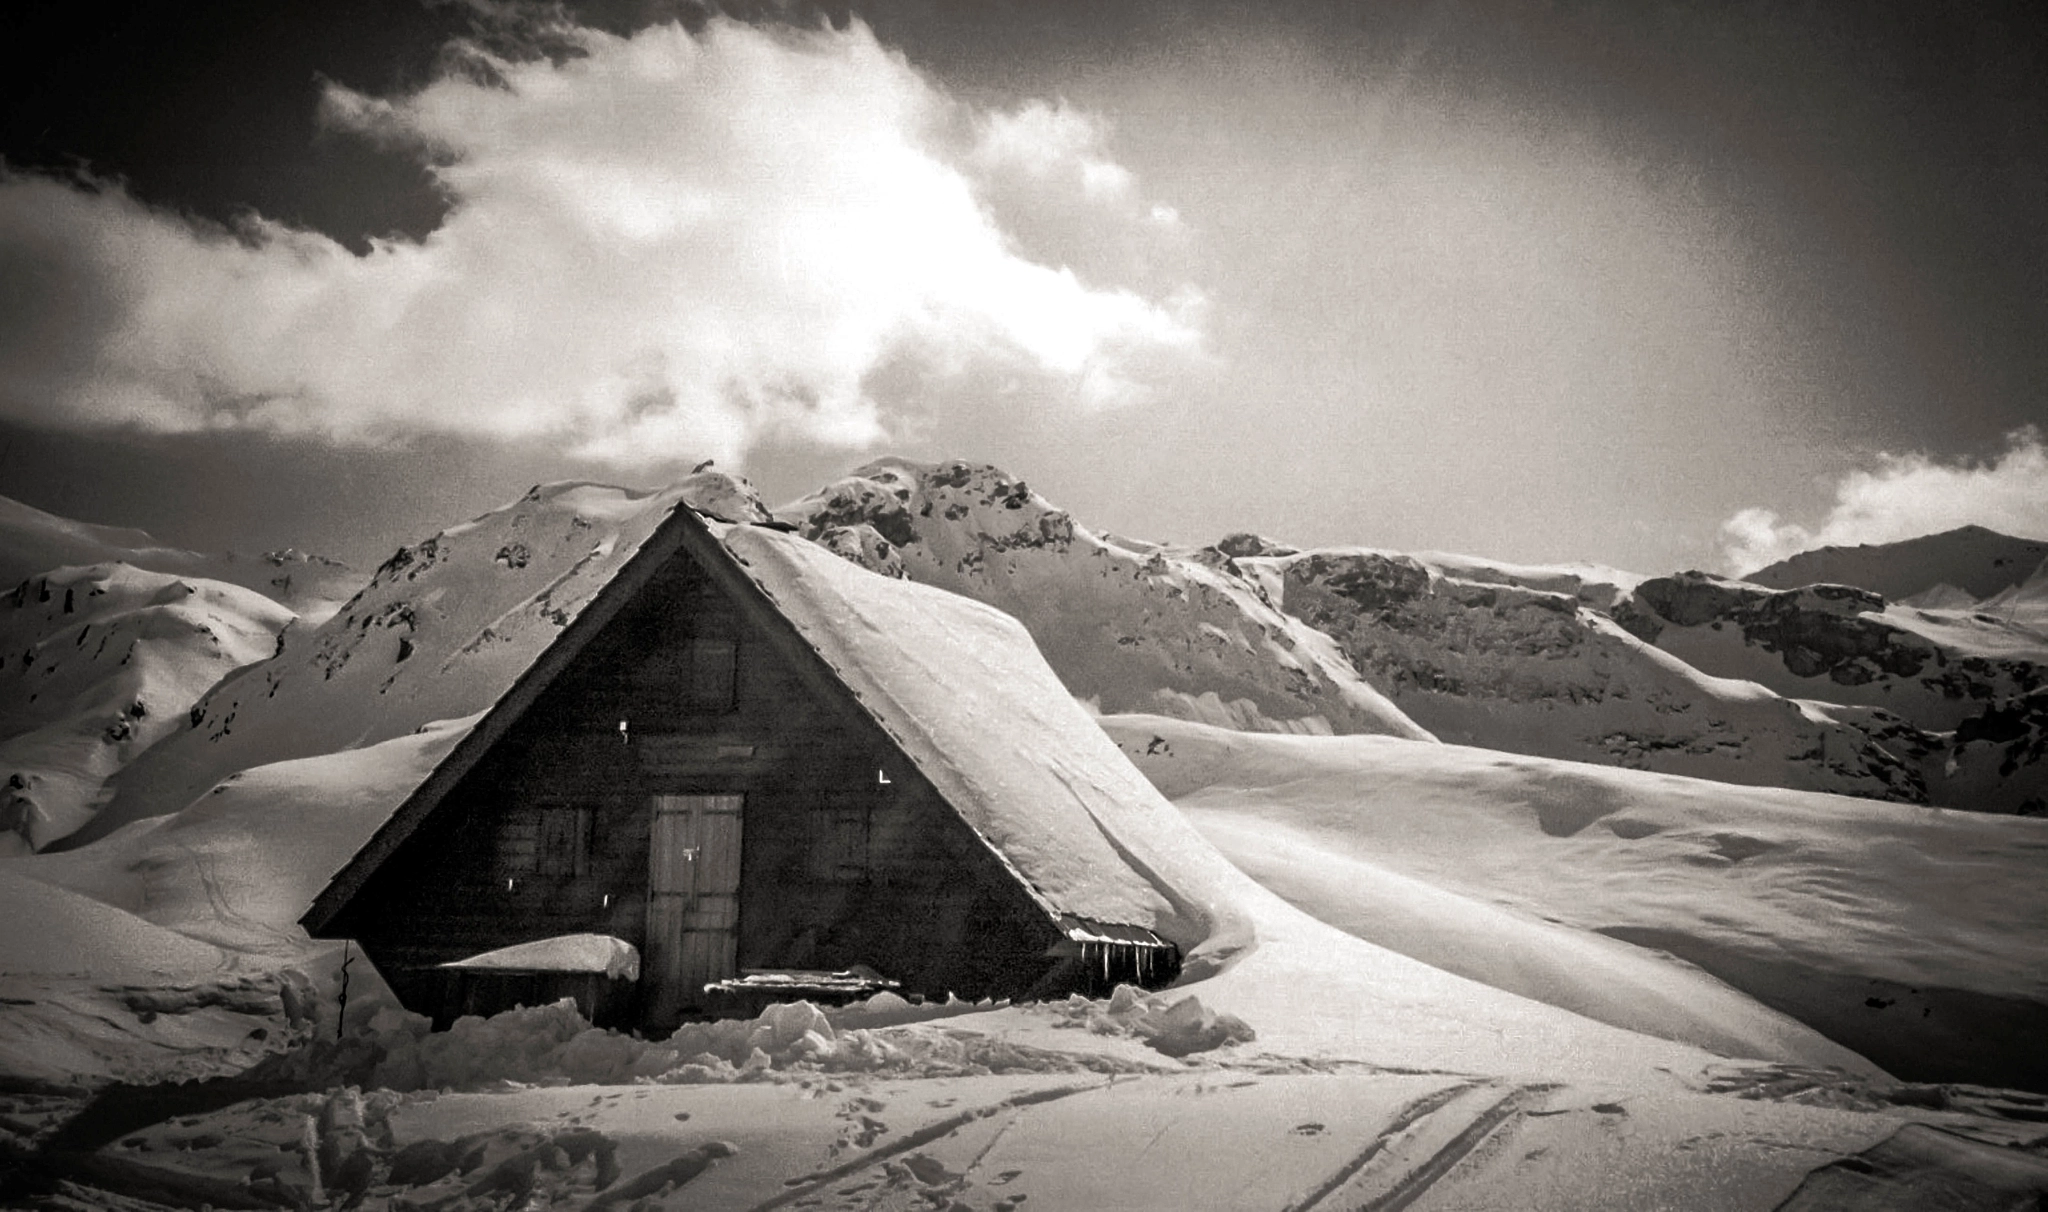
point(1084, 930)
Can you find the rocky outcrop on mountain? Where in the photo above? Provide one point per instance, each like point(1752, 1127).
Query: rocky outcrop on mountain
point(1171, 632)
point(1958, 677)
point(1536, 672)
point(97, 664)
point(1840, 643)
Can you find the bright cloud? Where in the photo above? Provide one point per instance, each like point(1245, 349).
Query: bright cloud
point(1052, 141)
point(1906, 496)
point(670, 246)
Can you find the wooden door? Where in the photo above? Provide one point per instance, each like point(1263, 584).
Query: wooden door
point(693, 900)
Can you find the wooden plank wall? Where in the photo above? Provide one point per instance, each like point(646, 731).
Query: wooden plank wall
point(838, 867)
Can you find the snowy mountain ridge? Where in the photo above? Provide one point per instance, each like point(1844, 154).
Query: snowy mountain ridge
point(1127, 629)
point(1566, 662)
point(34, 542)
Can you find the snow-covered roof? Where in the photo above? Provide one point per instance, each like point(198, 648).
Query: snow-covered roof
point(959, 688)
point(964, 693)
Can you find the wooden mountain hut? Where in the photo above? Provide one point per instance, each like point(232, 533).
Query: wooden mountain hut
point(773, 774)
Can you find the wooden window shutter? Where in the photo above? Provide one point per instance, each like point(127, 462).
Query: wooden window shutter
point(713, 676)
point(563, 845)
point(839, 839)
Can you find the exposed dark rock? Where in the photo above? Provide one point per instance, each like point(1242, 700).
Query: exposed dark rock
point(1245, 543)
point(1369, 581)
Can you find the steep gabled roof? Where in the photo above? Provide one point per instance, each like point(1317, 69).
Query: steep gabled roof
point(957, 687)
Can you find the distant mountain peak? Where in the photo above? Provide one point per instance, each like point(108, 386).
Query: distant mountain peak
point(1975, 559)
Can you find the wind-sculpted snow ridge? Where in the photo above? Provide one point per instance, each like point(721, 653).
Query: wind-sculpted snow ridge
point(97, 994)
point(1126, 629)
point(32, 542)
point(1958, 691)
point(441, 630)
point(97, 664)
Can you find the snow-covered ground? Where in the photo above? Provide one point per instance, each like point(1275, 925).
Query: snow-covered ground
point(1893, 929)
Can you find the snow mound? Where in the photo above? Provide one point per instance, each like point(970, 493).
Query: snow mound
point(1179, 634)
point(100, 663)
point(555, 1045)
point(32, 542)
point(600, 953)
point(444, 627)
point(1172, 1027)
point(1890, 929)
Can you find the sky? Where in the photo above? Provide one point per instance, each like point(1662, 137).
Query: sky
point(1659, 284)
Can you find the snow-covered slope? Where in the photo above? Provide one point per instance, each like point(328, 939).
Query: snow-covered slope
point(1594, 585)
point(172, 949)
point(238, 867)
point(1535, 671)
point(1967, 675)
point(32, 542)
point(1905, 933)
point(1933, 667)
point(2025, 604)
point(100, 663)
point(440, 632)
point(96, 994)
point(1977, 561)
point(1128, 629)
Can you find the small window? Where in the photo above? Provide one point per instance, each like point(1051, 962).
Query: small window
point(839, 840)
point(712, 677)
point(562, 846)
